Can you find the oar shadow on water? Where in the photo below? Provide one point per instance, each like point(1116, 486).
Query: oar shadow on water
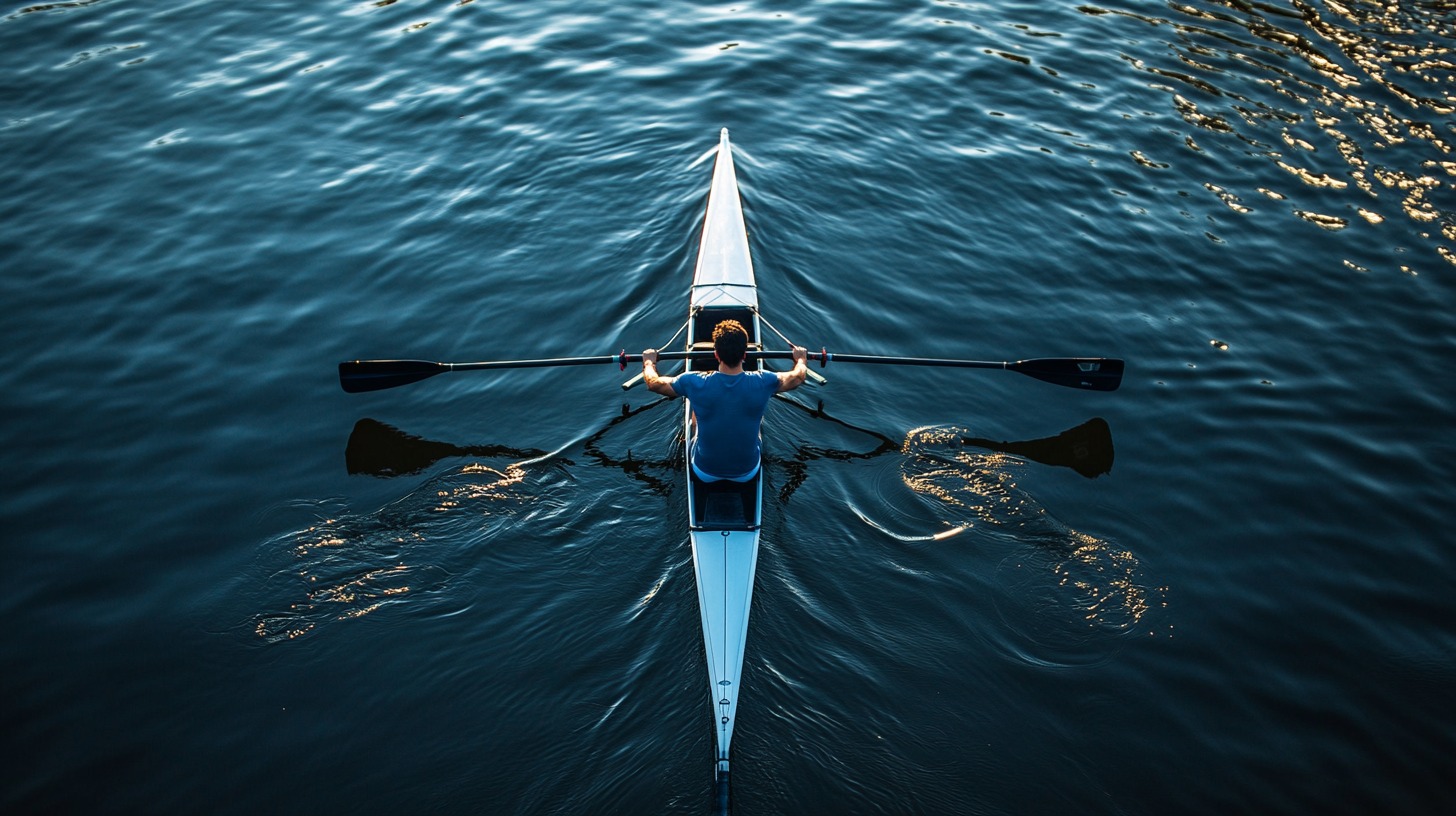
point(382, 450)
point(1086, 449)
point(378, 449)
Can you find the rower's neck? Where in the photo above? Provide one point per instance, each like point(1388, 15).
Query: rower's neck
point(724, 368)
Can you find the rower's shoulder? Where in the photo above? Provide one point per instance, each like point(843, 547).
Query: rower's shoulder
point(691, 379)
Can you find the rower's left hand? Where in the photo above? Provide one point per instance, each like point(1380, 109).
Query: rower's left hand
point(801, 355)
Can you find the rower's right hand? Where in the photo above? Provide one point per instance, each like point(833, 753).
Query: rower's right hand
point(650, 356)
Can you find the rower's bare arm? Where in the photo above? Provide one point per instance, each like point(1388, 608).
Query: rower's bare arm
point(655, 382)
point(789, 380)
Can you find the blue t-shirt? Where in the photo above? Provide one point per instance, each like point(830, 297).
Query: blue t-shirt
point(729, 410)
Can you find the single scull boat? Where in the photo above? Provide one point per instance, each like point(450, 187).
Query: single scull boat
point(723, 517)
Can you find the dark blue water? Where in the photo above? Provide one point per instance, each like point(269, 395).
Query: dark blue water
point(232, 588)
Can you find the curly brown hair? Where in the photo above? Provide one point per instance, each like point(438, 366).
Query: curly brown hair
point(730, 340)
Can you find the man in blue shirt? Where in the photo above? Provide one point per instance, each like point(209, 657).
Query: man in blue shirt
point(728, 404)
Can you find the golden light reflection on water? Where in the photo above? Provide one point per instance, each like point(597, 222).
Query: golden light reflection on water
point(1104, 579)
point(1358, 94)
point(1099, 582)
point(510, 477)
point(351, 566)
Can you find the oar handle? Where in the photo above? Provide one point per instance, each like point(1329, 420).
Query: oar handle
point(815, 376)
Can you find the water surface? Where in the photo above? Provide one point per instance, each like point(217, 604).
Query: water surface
point(234, 588)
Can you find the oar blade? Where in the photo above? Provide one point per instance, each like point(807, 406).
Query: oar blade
point(1089, 373)
point(358, 376)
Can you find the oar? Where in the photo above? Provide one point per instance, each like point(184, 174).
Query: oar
point(1091, 373)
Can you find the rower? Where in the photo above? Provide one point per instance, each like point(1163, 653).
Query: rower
point(728, 404)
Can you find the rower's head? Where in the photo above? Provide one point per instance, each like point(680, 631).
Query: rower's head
point(730, 341)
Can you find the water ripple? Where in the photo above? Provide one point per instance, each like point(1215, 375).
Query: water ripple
point(1317, 91)
point(207, 206)
point(351, 565)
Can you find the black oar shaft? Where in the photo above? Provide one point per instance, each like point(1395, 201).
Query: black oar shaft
point(1091, 373)
point(620, 359)
point(357, 376)
point(909, 361)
